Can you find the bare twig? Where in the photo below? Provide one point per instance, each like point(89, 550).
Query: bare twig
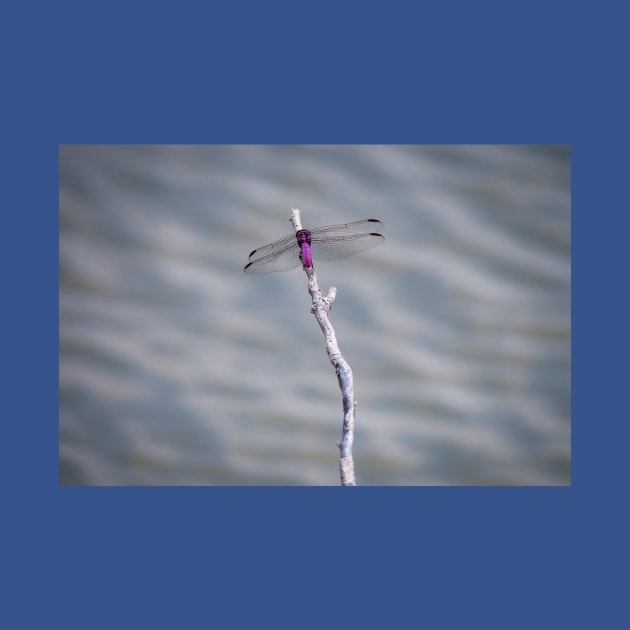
point(320, 307)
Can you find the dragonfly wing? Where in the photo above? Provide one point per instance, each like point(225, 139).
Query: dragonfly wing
point(337, 247)
point(276, 246)
point(277, 260)
point(356, 227)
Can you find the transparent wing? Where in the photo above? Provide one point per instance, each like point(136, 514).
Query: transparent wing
point(337, 247)
point(277, 247)
point(281, 259)
point(367, 225)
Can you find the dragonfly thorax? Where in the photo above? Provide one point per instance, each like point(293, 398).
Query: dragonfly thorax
point(303, 236)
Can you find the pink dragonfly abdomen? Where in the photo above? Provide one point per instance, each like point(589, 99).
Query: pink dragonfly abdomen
point(304, 239)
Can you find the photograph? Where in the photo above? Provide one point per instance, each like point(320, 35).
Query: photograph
point(315, 315)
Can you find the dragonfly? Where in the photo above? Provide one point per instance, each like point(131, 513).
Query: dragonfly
point(332, 242)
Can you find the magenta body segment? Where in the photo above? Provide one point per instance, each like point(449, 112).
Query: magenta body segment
point(304, 239)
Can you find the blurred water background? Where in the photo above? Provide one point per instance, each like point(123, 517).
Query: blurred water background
point(176, 368)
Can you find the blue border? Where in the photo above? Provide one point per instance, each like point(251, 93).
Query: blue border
point(259, 73)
